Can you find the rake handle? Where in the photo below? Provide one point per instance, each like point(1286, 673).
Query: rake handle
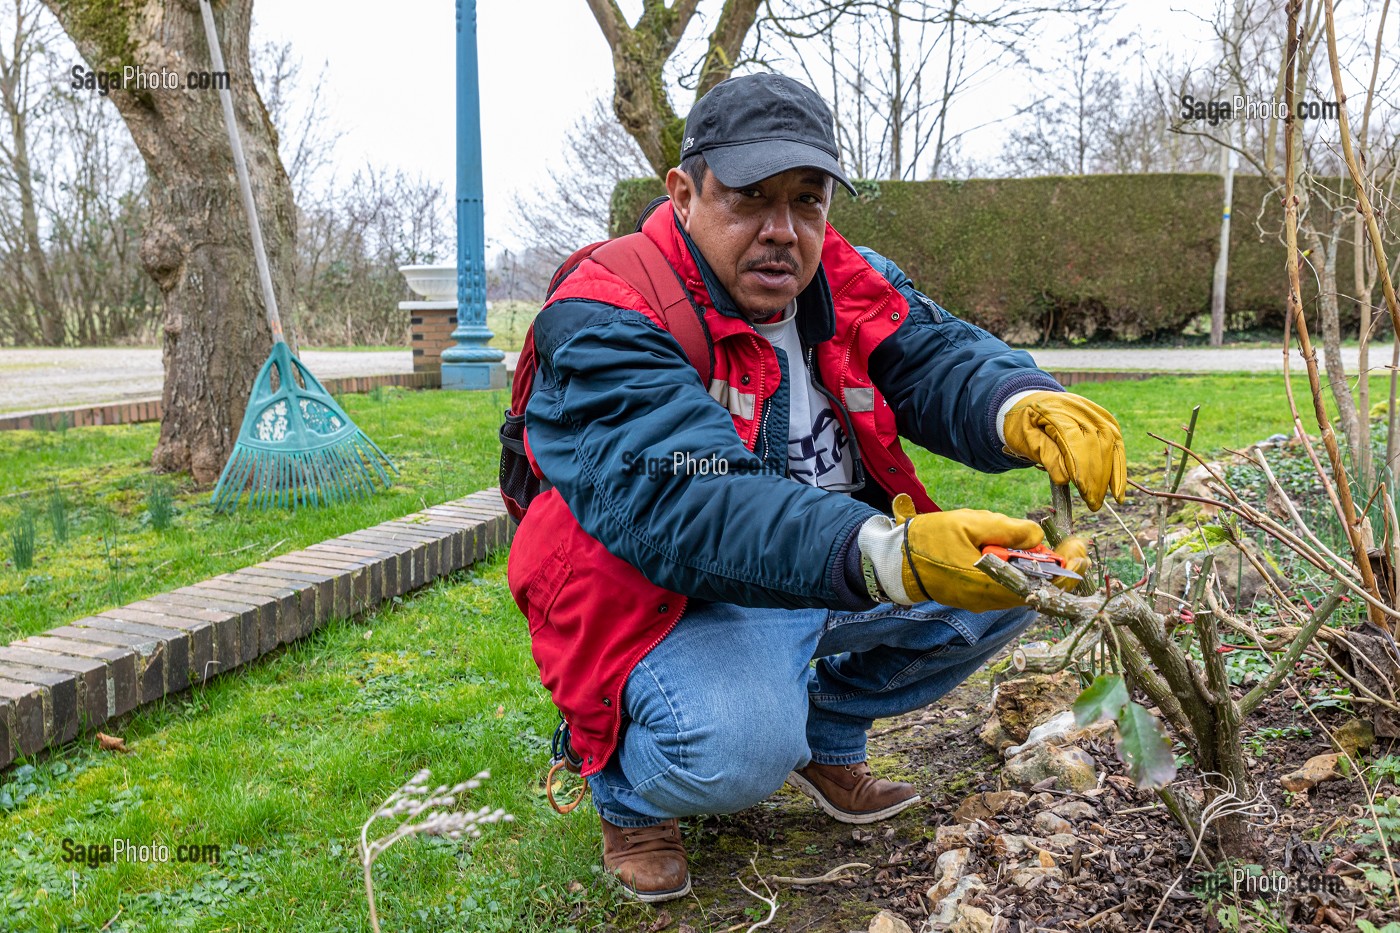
point(245, 186)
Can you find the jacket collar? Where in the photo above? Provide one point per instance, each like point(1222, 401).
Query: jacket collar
point(816, 313)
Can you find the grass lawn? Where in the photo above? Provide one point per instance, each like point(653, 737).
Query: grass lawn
point(281, 763)
point(508, 321)
point(1236, 410)
point(443, 442)
point(445, 446)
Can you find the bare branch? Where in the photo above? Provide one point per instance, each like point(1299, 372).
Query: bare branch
point(610, 21)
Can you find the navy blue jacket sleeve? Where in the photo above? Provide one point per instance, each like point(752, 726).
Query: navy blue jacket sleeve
point(614, 402)
point(946, 378)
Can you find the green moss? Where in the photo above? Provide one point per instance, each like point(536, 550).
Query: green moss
point(1207, 537)
point(671, 135)
point(1188, 514)
point(962, 784)
point(103, 26)
point(893, 767)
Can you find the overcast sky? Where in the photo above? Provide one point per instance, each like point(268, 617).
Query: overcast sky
point(391, 79)
point(391, 76)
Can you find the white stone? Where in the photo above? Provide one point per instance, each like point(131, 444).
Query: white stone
point(886, 922)
point(1056, 727)
point(1024, 877)
point(971, 919)
point(1050, 823)
point(950, 869)
point(947, 908)
point(1075, 810)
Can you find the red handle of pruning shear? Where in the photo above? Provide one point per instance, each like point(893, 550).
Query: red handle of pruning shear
point(1039, 561)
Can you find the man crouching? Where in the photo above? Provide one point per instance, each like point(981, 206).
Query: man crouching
point(710, 633)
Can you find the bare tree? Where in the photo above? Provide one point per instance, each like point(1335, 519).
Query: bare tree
point(571, 209)
point(95, 208)
point(305, 139)
point(1325, 208)
point(350, 250)
point(1072, 132)
point(640, 54)
point(196, 244)
point(20, 100)
point(71, 199)
point(896, 70)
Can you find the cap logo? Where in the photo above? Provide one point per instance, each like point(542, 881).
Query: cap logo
point(689, 141)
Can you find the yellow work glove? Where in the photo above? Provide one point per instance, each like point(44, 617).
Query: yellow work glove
point(921, 557)
point(1075, 440)
point(1076, 554)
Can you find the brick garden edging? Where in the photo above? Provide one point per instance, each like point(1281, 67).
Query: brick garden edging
point(139, 411)
point(75, 677)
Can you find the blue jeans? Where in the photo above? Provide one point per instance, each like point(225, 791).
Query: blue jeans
point(716, 715)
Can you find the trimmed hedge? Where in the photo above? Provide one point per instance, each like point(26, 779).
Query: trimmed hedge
point(1095, 256)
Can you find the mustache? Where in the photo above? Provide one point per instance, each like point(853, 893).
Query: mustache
point(774, 257)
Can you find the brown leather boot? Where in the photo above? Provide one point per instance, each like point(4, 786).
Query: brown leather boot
point(648, 862)
point(850, 793)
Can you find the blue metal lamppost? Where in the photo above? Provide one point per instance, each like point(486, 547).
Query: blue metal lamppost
point(471, 364)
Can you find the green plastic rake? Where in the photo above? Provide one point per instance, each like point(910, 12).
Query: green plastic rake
point(296, 446)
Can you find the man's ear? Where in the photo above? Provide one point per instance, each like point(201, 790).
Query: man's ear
point(682, 192)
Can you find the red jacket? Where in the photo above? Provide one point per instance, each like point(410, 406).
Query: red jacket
point(592, 615)
point(604, 563)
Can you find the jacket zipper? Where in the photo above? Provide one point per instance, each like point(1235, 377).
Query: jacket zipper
point(763, 416)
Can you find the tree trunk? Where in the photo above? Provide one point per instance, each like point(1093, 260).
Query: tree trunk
point(896, 97)
point(735, 21)
point(197, 245)
point(1324, 257)
point(641, 104)
point(639, 56)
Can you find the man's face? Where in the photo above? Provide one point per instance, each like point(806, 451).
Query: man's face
point(764, 241)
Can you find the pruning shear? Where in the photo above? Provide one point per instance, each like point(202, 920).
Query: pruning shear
point(1037, 562)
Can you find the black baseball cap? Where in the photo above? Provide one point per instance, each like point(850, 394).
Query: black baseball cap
point(755, 126)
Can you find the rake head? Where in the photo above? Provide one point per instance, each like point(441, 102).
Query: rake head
point(297, 446)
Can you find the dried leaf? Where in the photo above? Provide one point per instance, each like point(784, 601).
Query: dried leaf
point(662, 921)
point(1046, 860)
point(111, 743)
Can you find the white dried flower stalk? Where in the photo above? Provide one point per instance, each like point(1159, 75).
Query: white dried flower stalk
point(423, 812)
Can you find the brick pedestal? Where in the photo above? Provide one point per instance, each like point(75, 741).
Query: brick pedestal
point(432, 325)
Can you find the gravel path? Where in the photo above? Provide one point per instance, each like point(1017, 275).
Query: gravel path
point(33, 379)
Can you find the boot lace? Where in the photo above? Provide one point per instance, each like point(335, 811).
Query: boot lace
point(649, 838)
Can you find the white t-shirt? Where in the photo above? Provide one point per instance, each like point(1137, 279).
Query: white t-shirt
point(819, 451)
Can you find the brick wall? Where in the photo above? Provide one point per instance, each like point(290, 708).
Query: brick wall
point(431, 333)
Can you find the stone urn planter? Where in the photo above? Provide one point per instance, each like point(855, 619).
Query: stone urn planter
point(432, 319)
point(433, 283)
